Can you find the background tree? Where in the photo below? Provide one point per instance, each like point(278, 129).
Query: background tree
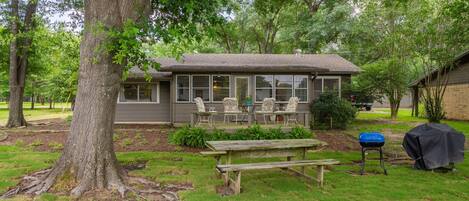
point(441, 35)
point(111, 44)
point(21, 30)
point(4, 51)
point(380, 43)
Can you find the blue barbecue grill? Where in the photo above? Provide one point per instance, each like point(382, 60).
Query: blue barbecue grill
point(371, 141)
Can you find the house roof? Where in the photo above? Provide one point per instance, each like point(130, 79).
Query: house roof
point(461, 58)
point(258, 63)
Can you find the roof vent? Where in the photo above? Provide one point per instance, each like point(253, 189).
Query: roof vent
point(297, 52)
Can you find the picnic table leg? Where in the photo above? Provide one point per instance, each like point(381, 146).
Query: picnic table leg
point(217, 173)
point(303, 157)
point(237, 184)
point(227, 174)
point(320, 175)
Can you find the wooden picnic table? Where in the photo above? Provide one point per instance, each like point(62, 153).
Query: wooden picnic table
point(287, 148)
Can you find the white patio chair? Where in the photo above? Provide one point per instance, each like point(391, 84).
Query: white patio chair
point(290, 111)
point(201, 112)
point(230, 106)
point(267, 108)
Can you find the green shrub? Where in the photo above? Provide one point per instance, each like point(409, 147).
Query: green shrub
point(189, 136)
point(196, 137)
point(328, 106)
point(299, 132)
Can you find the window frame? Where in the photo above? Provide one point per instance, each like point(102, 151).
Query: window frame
point(255, 87)
point(339, 78)
point(211, 87)
point(292, 87)
point(138, 93)
point(189, 88)
point(274, 87)
point(307, 87)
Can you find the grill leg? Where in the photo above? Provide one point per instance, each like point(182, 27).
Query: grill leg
point(381, 160)
point(362, 170)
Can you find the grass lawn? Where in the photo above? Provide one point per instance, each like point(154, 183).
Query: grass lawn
point(381, 119)
point(402, 183)
point(341, 183)
point(37, 105)
point(36, 114)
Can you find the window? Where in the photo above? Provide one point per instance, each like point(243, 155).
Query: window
point(220, 87)
point(264, 87)
point(283, 87)
point(301, 87)
point(322, 84)
point(138, 92)
point(182, 88)
point(201, 87)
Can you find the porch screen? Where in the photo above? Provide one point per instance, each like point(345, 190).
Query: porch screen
point(301, 87)
point(138, 92)
point(283, 87)
point(323, 84)
point(201, 87)
point(264, 87)
point(182, 88)
point(221, 87)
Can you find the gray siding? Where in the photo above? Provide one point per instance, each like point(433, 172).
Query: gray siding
point(143, 112)
point(182, 111)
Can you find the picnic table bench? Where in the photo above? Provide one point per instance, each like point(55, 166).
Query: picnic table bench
point(266, 149)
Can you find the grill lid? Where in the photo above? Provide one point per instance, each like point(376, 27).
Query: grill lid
point(367, 137)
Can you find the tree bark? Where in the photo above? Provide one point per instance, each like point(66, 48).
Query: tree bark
point(50, 102)
point(88, 153)
point(19, 50)
point(32, 101)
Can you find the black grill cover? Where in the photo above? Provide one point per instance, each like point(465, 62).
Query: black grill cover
point(434, 145)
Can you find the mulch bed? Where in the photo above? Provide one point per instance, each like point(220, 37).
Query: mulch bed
point(50, 135)
point(338, 141)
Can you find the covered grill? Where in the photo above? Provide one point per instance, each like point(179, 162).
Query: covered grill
point(434, 145)
point(371, 141)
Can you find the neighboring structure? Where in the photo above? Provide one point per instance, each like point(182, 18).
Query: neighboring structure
point(169, 97)
point(456, 97)
point(406, 102)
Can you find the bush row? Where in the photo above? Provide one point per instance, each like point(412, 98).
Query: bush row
point(196, 137)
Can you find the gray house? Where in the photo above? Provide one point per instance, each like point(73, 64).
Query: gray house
point(168, 98)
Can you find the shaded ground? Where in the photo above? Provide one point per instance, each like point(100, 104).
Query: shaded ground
point(50, 135)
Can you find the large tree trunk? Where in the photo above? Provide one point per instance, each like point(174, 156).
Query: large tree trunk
point(89, 154)
point(19, 50)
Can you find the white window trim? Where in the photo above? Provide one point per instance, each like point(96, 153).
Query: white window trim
point(307, 88)
point(249, 83)
point(271, 88)
point(274, 88)
point(176, 90)
point(331, 78)
point(138, 89)
point(211, 88)
point(292, 87)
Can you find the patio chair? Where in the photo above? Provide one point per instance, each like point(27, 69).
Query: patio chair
point(202, 114)
point(231, 108)
point(290, 111)
point(267, 108)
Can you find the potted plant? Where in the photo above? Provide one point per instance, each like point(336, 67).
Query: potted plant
point(248, 101)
